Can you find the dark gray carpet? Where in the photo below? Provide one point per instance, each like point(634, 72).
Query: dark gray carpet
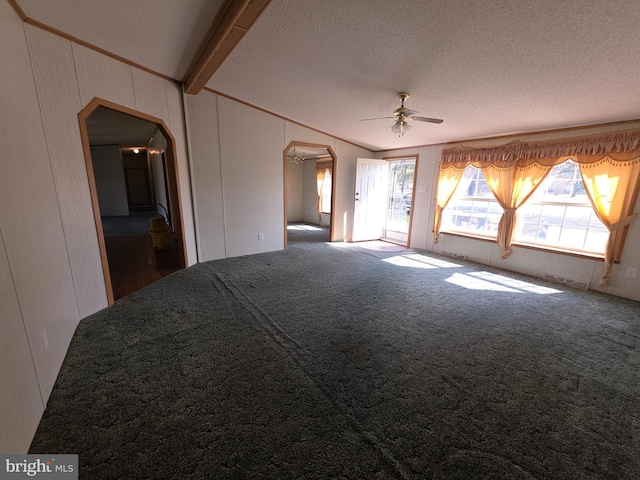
point(340, 362)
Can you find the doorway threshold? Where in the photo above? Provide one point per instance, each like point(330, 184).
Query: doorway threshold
point(394, 241)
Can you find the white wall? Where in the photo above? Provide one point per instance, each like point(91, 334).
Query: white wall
point(50, 268)
point(527, 261)
point(110, 182)
point(37, 283)
point(238, 175)
point(295, 192)
point(157, 145)
point(251, 146)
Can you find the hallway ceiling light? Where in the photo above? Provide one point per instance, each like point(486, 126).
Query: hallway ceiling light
point(294, 157)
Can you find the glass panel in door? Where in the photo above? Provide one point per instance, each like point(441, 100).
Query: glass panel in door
point(401, 174)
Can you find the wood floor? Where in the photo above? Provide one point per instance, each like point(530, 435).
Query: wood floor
point(134, 263)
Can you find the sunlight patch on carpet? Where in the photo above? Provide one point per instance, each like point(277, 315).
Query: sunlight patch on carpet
point(527, 287)
point(473, 283)
point(419, 261)
point(304, 227)
point(496, 283)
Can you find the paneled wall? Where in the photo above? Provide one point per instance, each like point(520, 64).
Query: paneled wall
point(204, 148)
point(37, 285)
point(20, 401)
point(50, 269)
point(237, 167)
point(251, 152)
point(531, 262)
point(110, 183)
point(295, 192)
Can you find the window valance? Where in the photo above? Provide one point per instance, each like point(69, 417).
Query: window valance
point(324, 164)
point(609, 166)
point(592, 147)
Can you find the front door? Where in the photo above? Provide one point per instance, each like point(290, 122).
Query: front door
point(370, 199)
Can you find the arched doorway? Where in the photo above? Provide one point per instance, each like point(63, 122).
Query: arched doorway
point(133, 262)
point(297, 157)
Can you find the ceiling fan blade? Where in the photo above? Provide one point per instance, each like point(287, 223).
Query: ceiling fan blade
point(410, 113)
point(376, 118)
point(427, 119)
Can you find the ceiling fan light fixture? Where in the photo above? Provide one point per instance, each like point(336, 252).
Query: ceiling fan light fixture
point(402, 115)
point(400, 126)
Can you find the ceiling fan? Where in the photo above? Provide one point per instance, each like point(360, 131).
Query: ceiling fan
point(402, 115)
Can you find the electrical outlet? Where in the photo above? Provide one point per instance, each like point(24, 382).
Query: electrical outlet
point(631, 272)
point(261, 236)
point(45, 340)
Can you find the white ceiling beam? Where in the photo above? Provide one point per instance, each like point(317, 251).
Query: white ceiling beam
point(233, 20)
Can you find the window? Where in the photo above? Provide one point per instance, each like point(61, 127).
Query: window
point(325, 206)
point(473, 208)
point(559, 214)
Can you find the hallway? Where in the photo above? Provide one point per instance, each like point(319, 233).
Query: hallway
point(134, 263)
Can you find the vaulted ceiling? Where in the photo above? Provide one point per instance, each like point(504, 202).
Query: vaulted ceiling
point(487, 68)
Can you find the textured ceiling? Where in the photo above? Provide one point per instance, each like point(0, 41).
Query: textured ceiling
point(487, 67)
point(310, 152)
point(109, 127)
point(162, 35)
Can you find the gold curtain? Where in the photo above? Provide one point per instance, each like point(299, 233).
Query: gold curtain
point(512, 186)
point(550, 149)
point(448, 180)
point(612, 183)
point(609, 165)
point(321, 168)
point(320, 182)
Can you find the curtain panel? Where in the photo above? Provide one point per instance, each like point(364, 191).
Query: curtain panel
point(322, 167)
point(448, 180)
point(609, 166)
point(512, 186)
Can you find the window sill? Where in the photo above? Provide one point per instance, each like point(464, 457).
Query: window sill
point(561, 251)
point(481, 238)
point(557, 250)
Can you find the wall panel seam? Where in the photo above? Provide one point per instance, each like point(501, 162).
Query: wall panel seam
point(189, 160)
point(56, 186)
point(133, 88)
point(24, 326)
point(187, 149)
point(224, 210)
